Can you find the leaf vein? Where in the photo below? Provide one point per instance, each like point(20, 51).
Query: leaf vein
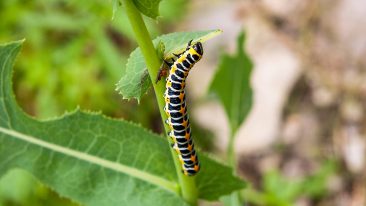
point(168, 185)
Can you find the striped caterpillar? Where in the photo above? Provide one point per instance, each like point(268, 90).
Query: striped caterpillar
point(176, 108)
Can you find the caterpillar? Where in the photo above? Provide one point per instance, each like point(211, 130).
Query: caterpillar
point(176, 107)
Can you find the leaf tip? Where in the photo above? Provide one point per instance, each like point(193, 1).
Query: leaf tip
point(219, 31)
point(212, 34)
point(16, 43)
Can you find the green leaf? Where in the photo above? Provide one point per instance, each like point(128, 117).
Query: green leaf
point(96, 160)
point(22, 189)
point(232, 199)
point(215, 180)
point(149, 8)
point(136, 81)
point(232, 85)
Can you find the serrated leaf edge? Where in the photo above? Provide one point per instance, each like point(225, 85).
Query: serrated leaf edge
point(153, 179)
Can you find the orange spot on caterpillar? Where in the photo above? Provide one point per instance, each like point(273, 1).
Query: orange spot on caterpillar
point(184, 123)
point(193, 158)
point(181, 96)
point(196, 168)
point(182, 111)
point(189, 147)
point(187, 136)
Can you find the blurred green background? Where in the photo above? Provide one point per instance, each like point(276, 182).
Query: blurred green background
point(74, 54)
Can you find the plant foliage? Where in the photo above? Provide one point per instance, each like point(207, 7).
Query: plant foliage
point(93, 159)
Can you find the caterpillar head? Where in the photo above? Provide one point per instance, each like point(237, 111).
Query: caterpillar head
point(198, 48)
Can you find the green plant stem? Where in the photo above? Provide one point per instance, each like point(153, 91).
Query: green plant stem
point(235, 199)
point(187, 184)
point(230, 149)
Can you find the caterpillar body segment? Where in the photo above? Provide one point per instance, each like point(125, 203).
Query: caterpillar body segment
point(176, 108)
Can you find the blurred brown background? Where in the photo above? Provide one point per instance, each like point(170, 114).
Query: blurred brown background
point(309, 92)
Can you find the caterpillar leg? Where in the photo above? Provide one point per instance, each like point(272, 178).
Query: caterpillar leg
point(168, 63)
point(189, 44)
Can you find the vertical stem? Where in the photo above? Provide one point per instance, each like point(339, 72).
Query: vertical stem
point(230, 147)
point(235, 199)
point(230, 150)
point(186, 183)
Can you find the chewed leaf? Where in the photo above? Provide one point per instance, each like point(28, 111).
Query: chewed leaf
point(95, 160)
point(134, 83)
